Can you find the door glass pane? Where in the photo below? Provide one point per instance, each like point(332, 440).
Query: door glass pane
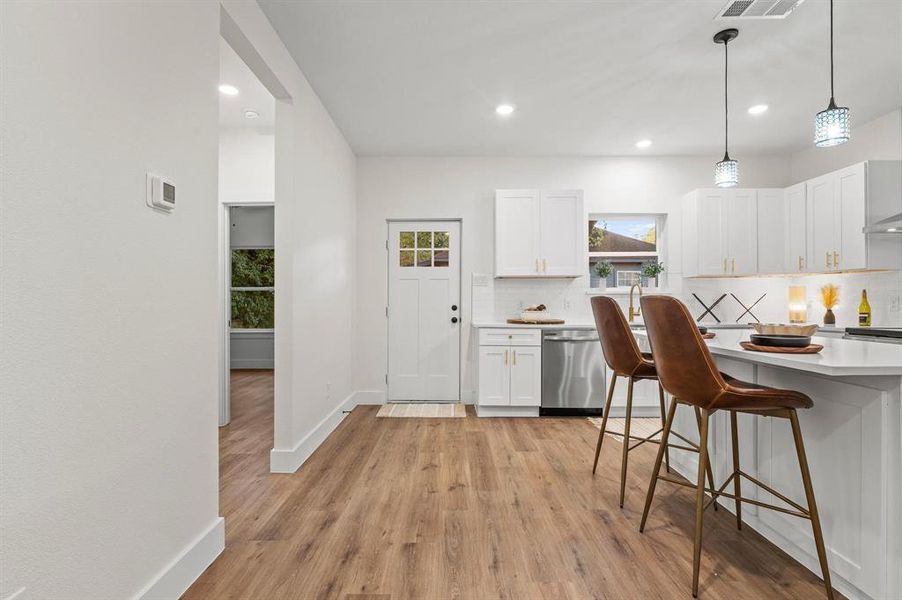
point(253, 268)
point(440, 239)
point(440, 259)
point(424, 239)
point(424, 258)
point(253, 310)
point(406, 258)
point(407, 239)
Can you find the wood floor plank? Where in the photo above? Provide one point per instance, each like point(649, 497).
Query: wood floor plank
point(465, 508)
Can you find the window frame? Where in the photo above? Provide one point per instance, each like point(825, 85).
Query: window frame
point(270, 288)
point(658, 254)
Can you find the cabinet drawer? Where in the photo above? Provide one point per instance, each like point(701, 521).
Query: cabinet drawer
point(510, 337)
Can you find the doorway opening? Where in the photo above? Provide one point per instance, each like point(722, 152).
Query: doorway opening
point(423, 311)
point(247, 258)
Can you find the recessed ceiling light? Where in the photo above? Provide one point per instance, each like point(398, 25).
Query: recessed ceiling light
point(643, 143)
point(251, 114)
point(504, 109)
point(228, 90)
point(758, 109)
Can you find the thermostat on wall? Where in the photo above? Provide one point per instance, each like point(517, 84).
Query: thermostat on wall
point(160, 193)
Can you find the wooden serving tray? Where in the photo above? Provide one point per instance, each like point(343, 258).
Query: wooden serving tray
point(810, 349)
point(543, 322)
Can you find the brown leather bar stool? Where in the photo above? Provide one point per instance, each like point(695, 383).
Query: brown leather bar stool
point(623, 357)
point(687, 371)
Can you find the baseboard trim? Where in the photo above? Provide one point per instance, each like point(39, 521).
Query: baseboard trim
point(284, 460)
point(184, 570)
point(367, 397)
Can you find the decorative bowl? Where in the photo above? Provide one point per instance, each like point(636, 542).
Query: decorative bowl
point(784, 329)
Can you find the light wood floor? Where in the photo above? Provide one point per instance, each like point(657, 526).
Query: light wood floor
point(465, 508)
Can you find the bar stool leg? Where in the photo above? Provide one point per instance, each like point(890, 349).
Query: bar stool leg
point(698, 419)
point(700, 497)
point(663, 419)
point(737, 485)
point(604, 421)
point(626, 439)
point(665, 435)
point(812, 505)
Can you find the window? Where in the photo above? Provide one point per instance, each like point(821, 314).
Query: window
point(253, 287)
point(623, 244)
point(423, 249)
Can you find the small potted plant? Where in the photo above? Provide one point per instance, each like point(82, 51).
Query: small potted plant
point(603, 269)
point(650, 271)
point(829, 298)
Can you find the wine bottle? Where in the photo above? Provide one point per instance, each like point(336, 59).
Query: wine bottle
point(864, 310)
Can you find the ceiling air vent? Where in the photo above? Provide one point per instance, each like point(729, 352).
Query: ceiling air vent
point(758, 9)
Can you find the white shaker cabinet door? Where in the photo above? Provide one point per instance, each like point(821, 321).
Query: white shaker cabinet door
point(771, 231)
point(517, 252)
point(740, 222)
point(526, 376)
point(823, 223)
point(710, 240)
point(562, 233)
point(795, 230)
point(851, 195)
point(494, 375)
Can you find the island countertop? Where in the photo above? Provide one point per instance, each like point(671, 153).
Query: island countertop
point(840, 357)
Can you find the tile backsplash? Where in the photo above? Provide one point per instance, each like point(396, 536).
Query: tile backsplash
point(498, 299)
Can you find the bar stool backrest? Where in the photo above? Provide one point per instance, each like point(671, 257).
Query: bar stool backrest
point(618, 344)
point(684, 363)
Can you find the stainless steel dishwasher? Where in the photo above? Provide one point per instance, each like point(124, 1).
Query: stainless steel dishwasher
point(573, 373)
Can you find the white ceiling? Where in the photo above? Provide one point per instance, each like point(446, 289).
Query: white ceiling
point(251, 94)
point(588, 78)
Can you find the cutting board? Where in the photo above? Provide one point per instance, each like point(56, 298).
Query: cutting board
point(542, 322)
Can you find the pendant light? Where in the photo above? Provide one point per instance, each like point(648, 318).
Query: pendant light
point(726, 172)
point(832, 126)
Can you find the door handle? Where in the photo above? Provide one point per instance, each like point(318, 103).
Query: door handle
point(454, 319)
point(514, 363)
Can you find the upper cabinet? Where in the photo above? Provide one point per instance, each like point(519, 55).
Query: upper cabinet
point(812, 227)
point(539, 233)
point(840, 204)
point(720, 231)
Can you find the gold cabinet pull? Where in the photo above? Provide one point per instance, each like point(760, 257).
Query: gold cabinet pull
point(544, 266)
point(505, 356)
point(732, 265)
point(537, 265)
point(515, 358)
point(724, 265)
point(828, 260)
point(801, 264)
point(835, 259)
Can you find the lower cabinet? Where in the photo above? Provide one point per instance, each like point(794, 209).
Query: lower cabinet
point(510, 373)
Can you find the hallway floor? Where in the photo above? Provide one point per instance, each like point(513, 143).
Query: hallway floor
point(466, 508)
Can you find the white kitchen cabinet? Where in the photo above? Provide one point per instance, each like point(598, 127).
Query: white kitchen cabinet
point(540, 233)
point(795, 230)
point(720, 231)
point(510, 372)
point(840, 204)
point(771, 231)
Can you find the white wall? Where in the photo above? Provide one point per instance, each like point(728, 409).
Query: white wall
point(109, 372)
point(880, 139)
point(389, 187)
point(315, 253)
point(247, 163)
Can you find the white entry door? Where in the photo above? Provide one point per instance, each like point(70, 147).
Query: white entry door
point(424, 310)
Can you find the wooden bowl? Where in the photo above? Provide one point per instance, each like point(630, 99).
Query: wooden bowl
point(783, 329)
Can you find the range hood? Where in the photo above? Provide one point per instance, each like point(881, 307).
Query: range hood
point(892, 224)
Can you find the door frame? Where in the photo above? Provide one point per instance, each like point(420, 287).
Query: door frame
point(460, 275)
point(225, 306)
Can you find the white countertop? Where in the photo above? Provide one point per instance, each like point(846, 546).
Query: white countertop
point(840, 357)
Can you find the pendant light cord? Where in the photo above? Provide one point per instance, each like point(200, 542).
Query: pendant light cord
point(831, 52)
point(726, 106)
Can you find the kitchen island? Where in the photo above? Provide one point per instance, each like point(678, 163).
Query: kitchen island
point(853, 438)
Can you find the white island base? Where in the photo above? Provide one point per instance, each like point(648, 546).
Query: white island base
point(853, 439)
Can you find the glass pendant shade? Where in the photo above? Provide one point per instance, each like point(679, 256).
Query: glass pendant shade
point(726, 172)
point(832, 126)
